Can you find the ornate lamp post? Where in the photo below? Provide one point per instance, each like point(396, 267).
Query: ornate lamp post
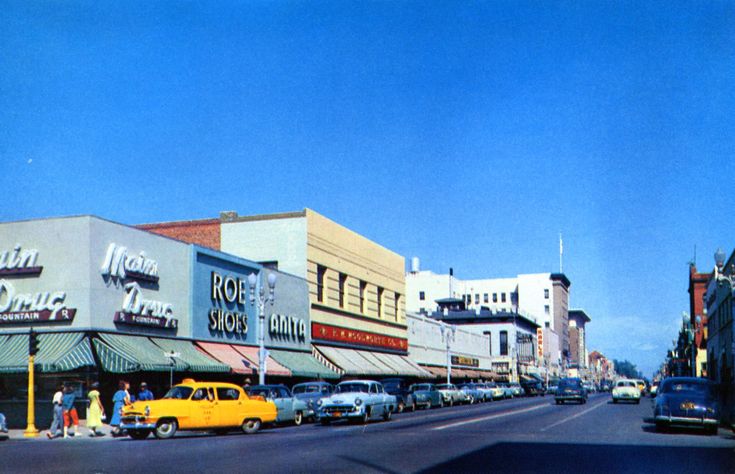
point(262, 299)
point(448, 332)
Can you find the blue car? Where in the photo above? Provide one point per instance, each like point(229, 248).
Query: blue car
point(400, 389)
point(357, 400)
point(289, 408)
point(312, 392)
point(687, 401)
point(426, 395)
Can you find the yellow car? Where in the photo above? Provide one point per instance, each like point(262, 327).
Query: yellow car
point(197, 406)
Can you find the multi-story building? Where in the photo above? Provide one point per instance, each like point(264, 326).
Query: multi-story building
point(542, 297)
point(577, 338)
point(697, 312)
point(356, 286)
point(719, 303)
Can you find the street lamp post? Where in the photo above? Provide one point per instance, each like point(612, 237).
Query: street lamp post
point(171, 355)
point(262, 299)
point(448, 332)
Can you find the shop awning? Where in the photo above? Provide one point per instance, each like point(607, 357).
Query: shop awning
point(122, 354)
point(303, 364)
point(271, 366)
point(57, 352)
point(195, 359)
point(351, 362)
point(436, 371)
point(402, 365)
point(227, 354)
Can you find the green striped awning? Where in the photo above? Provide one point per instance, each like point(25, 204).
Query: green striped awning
point(57, 352)
point(197, 360)
point(122, 354)
point(302, 364)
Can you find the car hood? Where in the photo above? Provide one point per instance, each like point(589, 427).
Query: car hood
point(345, 398)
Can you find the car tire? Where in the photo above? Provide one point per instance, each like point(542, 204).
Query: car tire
point(166, 429)
point(250, 426)
point(139, 434)
point(615, 400)
point(298, 418)
point(711, 430)
point(387, 414)
point(401, 407)
point(661, 427)
point(324, 421)
point(413, 407)
point(365, 417)
point(558, 402)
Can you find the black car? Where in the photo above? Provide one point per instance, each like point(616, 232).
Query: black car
point(400, 389)
point(570, 389)
point(533, 389)
point(687, 401)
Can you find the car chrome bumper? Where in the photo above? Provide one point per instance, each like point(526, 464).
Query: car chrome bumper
point(685, 420)
point(137, 426)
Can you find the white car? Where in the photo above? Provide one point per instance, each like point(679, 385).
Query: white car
point(358, 400)
point(451, 394)
point(626, 389)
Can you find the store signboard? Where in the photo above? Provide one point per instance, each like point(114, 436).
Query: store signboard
point(357, 338)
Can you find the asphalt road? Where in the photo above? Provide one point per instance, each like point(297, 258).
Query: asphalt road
point(521, 435)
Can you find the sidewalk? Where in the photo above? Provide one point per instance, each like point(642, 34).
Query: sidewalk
point(17, 434)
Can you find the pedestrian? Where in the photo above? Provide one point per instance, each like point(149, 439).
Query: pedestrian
point(246, 385)
point(56, 425)
point(96, 412)
point(120, 399)
point(144, 394)
point(71, 417)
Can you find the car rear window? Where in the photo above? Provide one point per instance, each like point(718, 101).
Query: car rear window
point(686, 387)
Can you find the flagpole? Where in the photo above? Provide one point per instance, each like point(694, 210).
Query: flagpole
point(561, 254)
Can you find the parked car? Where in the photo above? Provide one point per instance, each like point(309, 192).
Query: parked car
point(195, 405)
point(687, 401)
point(496, 392)
point(312, 392)
point(551, 389)
point(400, 389)
point(653, 390)
point(570, 389)
point(507, 391)
point(451, 394)
point(626, 390)
point(517, 389)
point(290, 408)
point(533, 389)
point(425, 395)
point(473, 392)
point(358, 400)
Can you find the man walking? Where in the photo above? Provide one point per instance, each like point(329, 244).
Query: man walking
point(70, 412)
point(57, 423)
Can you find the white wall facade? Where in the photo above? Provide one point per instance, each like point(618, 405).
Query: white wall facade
point(426, 345)
point(433, 286)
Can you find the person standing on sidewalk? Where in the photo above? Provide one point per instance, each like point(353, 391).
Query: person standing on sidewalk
point(70, 412)
point(144, 394)
point(96, 412)
point(120, 399)
point(56, 425)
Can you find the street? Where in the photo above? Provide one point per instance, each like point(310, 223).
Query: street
point(519, 435)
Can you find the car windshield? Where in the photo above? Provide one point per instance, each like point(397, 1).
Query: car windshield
point(352, 387)
point(179, 393)
point(306, 389)
point(419, 387)
point(444, 387)
point(262, 392)
point(570, 383)
point(686, 387)
point(391, 385)
point(626, 383)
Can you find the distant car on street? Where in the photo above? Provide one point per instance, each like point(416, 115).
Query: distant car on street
point(507, 390)
point(473, 392)
point(533, 389)
point(570, 389)
point(653, 390)
point(425, 395)
point(687, 401)
point(451, 394)
point(641, 386)
point(626, 390)
point(399, 388)
point(516, 389)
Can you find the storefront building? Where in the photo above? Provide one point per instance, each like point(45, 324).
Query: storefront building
point(113, 302)
point(356, 287)
point(469, 350)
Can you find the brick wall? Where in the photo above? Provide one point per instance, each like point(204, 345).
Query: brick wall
point(201, 232)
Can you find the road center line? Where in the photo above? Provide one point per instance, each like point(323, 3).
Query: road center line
point(489, 417)
point(570, 418)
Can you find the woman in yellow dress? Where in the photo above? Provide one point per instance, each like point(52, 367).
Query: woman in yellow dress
point(96, 412)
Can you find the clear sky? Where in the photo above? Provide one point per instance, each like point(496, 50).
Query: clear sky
point(466, 133)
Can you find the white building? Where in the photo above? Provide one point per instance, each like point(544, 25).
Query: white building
point(468, 347)
point(541, 297)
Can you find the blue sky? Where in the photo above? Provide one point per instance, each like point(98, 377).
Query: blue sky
point(466, 133)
